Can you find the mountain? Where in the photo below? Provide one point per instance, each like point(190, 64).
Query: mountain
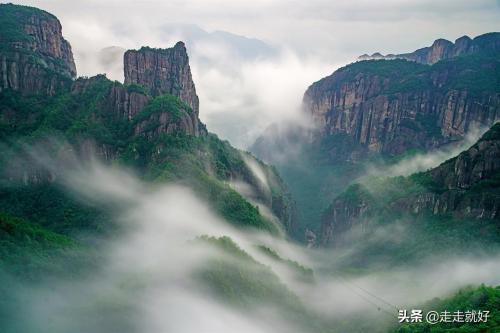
point(33, 51)
point(162, 71)
point(149, 124)
point(377, 112)
point(121, 212)
point(443, 49)
point(452, 207)
point(52, 123)
point(391, 106)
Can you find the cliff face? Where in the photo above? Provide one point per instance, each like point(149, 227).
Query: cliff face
point(150, 123)
point(149, 117)
point(162, 71)
point(126, 103)
point(443, 49)
point(464, 188)
point(390, 106)
point(34, 56)
point(167, 115)
point(480, 162)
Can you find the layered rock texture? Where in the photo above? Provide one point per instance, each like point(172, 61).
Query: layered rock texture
point(466, 187)
point(380, 110)
point(162, 71)
point(34, 56)
point(391, 106)
point(150, 124)
point(443, 49)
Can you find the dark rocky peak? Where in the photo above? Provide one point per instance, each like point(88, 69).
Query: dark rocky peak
point(443, 49)
point(162, 71)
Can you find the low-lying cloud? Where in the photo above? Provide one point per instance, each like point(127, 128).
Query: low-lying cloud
point(146, 280)
point(425, 161)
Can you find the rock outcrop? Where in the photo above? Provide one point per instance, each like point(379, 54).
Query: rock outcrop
point(150, 124)
point(34, 56)
point(390, 106)
point(464, 187)
point(167, 115)
point(162, 71)
point(443, 49)
point(480, 162)
point(123, 102)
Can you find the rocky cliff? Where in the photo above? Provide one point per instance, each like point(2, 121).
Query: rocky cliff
point(390, 106)
point(443, 49)
point(465, 187)
point(162, 71)
point(158, 97)
point(478, 163)
point(150, 124)
point(34, 56)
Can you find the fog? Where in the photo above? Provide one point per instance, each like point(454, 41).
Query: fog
point(251, 64)
point(424, 161)
point(244, 85)
point(147, 277)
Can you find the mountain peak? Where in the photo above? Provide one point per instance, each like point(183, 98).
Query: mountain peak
point(442, 49)
point(162, 71)
point(180, 44)
point(32, 45)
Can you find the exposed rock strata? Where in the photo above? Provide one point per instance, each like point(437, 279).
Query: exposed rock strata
point(162, 71)
point(391, 112)
point(34, 56)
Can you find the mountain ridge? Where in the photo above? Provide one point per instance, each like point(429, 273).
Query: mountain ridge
point(442, 49)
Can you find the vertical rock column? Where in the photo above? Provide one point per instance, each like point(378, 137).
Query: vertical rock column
point(162, 71)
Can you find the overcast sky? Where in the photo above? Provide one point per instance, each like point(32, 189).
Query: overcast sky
point(313, 38)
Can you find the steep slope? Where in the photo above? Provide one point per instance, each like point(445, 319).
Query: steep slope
point(443, 49)
point(454, 206)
